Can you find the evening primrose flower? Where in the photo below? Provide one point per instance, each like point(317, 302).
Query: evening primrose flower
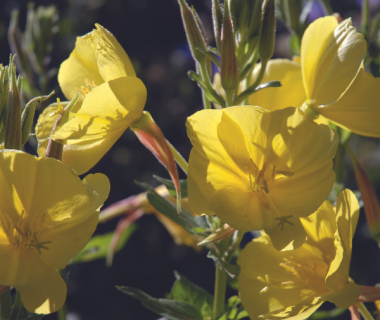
point(330, 82)
point(111, 95)
point(293, 284)
point(47, 215)
point(257, 169)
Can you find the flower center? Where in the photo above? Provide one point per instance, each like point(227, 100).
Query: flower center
point(21, 235)
point(259, 179)
point(306, 277)
point(84, 90)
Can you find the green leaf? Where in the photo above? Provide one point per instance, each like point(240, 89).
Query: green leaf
point(171, 309)
point(97, 247)
point(235, 309)
point(186, 291)
point(170, 186)
point(184, 218)
point(231, 269)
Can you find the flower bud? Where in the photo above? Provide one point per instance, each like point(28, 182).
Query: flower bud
point(193, 32)
point(268, 32)
point(151, 136)
point(370, 199)
point(228, 65)
point(217, 19)
point(13, 123)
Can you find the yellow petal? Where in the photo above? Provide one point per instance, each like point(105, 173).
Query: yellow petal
point(106, 113)
point(321, 227)
point(260, 259)
point(71, 235)
point(358, 109)
point(347, 218)
point(42, 289)
point(285, 237)
point(331, 57)
point(226, 143)
point(290, 94)
point(80, 65)
point(113, 61)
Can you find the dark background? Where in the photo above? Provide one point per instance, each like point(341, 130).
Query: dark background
point(152, 34)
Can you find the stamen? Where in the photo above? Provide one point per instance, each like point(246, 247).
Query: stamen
point(86, 89)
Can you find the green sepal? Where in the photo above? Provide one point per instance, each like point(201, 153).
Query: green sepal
point(252, 89)
point(97, 247)
point(194, 225)
point(28, 116)
point(171, 309)
point(170, 186)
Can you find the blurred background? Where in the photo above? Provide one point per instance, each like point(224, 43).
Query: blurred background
point(152, 34)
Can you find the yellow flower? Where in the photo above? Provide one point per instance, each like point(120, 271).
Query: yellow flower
point(330, 80)
point(257, 169)
point(113, 97)
point(293, 284)
point(47, 215)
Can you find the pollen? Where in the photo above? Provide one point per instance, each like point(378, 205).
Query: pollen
point(86, 89)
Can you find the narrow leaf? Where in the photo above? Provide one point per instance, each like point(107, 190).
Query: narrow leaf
point(171, 309)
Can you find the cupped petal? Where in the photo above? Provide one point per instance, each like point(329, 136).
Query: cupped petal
point(67, 239)
point(300, 311)
point(41, 287)
point(331, 57)
point(112, 60)
point(347, 214)
point(321, 227)
point(81, 156)
point(106, 113)
point(305, 149)
point(46, 122)
point(41, 189)
point(358, 109)
point(288, 234)
point(80, 65)
point(259, 259)
point(290, 94)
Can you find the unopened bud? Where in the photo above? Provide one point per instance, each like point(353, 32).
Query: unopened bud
point(268, 31)
point(292, 12)
point(193, 32)
point(217, 19)
point(13, 123)
point(255, 20)
point(151, 136)
point(228, 65)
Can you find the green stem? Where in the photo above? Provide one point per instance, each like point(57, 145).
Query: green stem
point(62, 313)
point(219, 292)
point(206, 102)
point(178, 158)
point(364, 311)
